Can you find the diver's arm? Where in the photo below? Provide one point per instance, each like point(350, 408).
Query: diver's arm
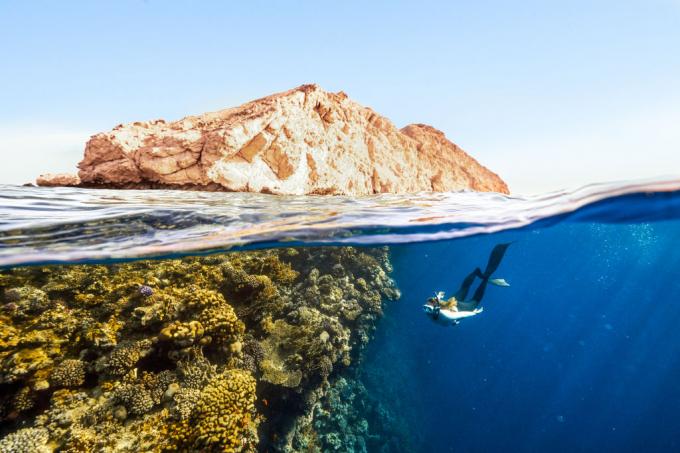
point(452, 316)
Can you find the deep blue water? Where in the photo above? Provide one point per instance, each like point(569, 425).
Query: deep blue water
point(580, 353)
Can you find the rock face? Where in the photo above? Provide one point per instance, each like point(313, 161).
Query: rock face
point(302, 141)
point(57, 180)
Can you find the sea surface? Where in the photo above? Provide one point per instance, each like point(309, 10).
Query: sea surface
point(580, 353)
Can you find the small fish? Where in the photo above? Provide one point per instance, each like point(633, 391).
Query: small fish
point(265, 402)
point(499, 282)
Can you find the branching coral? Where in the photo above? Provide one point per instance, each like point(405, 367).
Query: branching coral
point(24, 399)
point(26, 440)
point(26, 300)
point(136, 399)
point(124, 357)
point(293, 351)
point(69, 373)
point(196, 371)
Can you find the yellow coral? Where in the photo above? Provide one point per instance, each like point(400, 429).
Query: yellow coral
point(280, 272)
point(221, 323)
point(81, 440)
point(24, 399)
point(183, 334)
point(224, 416)
point(199, 297)
point(9, 336)
point(306, 309)
point(22, 363)
point(275, 372)
point(69, 373)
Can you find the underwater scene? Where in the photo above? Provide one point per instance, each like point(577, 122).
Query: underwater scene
point(463, 322)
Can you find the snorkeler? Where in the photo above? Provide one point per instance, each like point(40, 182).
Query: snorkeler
point(449, 312)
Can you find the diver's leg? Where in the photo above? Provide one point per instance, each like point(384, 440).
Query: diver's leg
point(461, 294)
point(479, 294)
point(475, 302)
point(495, 259)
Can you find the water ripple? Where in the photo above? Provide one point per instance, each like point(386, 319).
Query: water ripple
point(55, 225)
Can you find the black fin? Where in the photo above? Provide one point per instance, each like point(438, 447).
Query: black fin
point(462, 293)
point(479, 294)
point(495, 259)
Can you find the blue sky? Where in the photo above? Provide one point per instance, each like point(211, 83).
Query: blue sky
point(548, 94)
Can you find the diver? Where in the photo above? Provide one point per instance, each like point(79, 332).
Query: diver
point(449, 312)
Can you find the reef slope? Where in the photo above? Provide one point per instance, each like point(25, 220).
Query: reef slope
point(241, 351)
point(302, 141)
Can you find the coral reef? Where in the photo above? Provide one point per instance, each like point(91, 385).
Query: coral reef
point(26, 440)
point(349, 419)
point(224, 417)
point(69, 373)
point(239, 351)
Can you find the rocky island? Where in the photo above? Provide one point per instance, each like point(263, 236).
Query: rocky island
point(302, 141)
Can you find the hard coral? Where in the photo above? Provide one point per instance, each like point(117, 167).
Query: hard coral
point(124, 357)
point(69, 373)
point(221, 323)
point(136, 399)
point(24, 363)
point(26, 300)
point(112, 358)
point(196, 371)
point(26, 440)
point(224, 416)
point(183, 334)
point(24, 399)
